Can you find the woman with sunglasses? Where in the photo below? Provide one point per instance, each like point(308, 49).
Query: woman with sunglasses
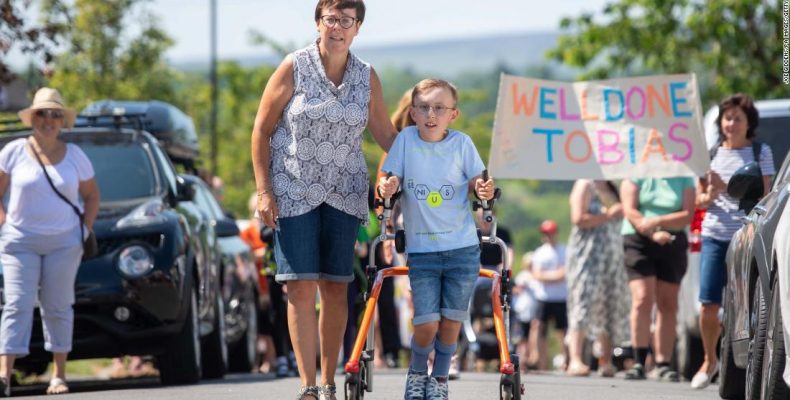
point(41, 237)
point(312, 181)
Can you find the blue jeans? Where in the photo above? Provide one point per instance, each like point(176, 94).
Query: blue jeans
point(713, 270)
point(316, 245)
point(442, 283)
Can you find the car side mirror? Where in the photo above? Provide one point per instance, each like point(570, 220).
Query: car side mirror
point(226, 228)
point(186, 192)
point(746, 185)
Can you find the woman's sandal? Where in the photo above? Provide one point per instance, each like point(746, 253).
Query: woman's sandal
point(327, 392)
point(57, 386)
point(305, 391)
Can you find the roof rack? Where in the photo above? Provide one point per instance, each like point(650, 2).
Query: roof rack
point(135, 121)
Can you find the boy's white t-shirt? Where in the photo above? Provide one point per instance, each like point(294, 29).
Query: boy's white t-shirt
point(32, 205)
point(435, 182)
point(549, 258)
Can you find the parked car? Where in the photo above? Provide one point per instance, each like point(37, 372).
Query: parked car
point(752, 335)
point(238, 280)
point(774, 130)
point(144, 292)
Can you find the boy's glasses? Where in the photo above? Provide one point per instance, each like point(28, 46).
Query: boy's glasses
point(54, 114)
point(439, 110)
point(345, 22)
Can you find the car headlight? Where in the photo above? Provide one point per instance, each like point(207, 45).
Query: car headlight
point(135, 261)
point(147, 213)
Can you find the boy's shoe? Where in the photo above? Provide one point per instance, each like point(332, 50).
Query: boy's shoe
point(437, 388)
point(416, 383)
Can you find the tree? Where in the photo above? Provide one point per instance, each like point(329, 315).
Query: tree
point(733, 45)
point(104, 60)
point(16, 29)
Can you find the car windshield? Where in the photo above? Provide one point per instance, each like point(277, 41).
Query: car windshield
point(123, 170)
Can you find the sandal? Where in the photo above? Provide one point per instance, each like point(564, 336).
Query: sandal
point(665, 373)
point(577, 370)
point(636, 373)
point(5, 387)
point(327, 392)
point(305, 391)
point(57, 386)
point(606, 370)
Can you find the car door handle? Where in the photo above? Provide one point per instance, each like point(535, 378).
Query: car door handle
point(760, 210)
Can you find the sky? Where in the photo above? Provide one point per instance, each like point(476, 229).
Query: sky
point(386, 22)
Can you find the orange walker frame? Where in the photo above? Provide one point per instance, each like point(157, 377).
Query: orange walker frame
point(359, 371)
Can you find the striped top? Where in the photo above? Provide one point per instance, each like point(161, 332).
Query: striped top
point(316, 147)
point(723, 216)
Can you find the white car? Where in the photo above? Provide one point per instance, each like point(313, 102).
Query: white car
point(781, 248)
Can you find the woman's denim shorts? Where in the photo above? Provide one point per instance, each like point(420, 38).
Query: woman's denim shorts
point(442, 283)
point(316, 245)
point(712, 270)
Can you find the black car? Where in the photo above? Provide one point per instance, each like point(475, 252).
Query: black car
point(238, 279)
point(751, 275)
point(146, 292)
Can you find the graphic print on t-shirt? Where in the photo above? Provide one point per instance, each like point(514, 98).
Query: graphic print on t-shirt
point(432, 197)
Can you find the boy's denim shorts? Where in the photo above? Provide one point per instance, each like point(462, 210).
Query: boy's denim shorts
point(442, 282)
point(316, 245)
point(712, 270)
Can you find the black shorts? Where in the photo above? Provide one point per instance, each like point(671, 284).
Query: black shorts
point(645, 258)
point(548, 310)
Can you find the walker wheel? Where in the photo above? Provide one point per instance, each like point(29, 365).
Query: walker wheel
point(353, 387)
point(400, 241)
point(510, 386)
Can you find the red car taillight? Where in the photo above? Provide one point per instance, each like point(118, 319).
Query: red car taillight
point(695, 231)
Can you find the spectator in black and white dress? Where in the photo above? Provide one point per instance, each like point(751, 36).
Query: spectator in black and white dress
point(737, 122)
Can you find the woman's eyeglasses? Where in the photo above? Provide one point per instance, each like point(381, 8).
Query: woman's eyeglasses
point(345, 22)
point(54, 114)
point(439, 110)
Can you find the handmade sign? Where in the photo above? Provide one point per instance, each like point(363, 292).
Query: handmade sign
point(614, 129)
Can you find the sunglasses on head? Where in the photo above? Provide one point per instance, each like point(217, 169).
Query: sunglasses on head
point(54, 114)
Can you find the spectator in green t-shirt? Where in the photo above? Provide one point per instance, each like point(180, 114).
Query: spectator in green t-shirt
point(657, 212)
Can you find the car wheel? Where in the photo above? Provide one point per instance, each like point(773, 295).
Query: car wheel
point(732, 379)
point(689, 354)
point(757, 324)
point(243, 352)
point(181, 363)
point(773, 385)
point(215, 350)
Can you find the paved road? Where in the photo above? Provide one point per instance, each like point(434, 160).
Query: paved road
point(388, 385)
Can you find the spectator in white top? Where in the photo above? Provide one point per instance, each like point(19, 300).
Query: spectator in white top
point(737, 121)
point(551, 293)
point(41, 239)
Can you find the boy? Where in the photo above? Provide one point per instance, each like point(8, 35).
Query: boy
point(440, 167)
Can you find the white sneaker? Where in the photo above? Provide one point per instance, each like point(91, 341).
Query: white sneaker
point(454, 372)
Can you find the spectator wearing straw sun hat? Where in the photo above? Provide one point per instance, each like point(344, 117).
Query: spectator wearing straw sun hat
point(41, 236)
